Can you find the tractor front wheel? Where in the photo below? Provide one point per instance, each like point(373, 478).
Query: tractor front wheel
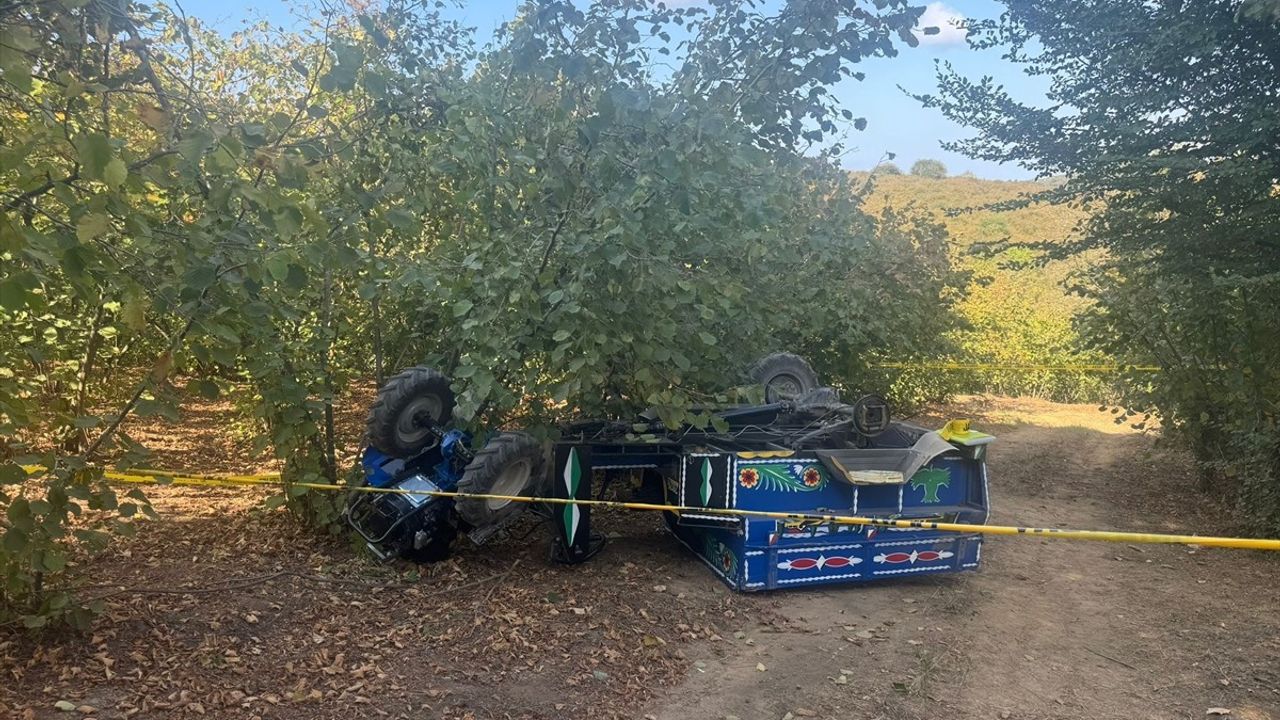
point(407, 405)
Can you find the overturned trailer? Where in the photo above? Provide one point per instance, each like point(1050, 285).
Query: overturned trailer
point(802, 452)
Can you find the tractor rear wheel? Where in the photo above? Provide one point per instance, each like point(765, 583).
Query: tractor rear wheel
point(510, 464)
point(398, 420)
point(785, 376)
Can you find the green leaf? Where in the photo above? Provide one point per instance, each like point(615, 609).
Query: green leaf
point(15, 540)
point(201, 277)
point(561, 335)
point(54, 561)
point(15, 65)
point(462, 307)
point(11, 474)
point(296, 277)
point(94, 152)
point(151, 407)
point(288, 222)
point(92, 226)
point(14, 294)
point(115, 173)
point(94, 539)
point(402, 219)
point(32, 622)
point(133, 312)
point(19, 514)
point(205, 388)
point(277, 266)
point(193, 146)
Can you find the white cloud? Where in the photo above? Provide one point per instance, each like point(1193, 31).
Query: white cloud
point(949, 22)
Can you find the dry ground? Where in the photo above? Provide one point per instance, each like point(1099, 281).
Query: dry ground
point(221, 609)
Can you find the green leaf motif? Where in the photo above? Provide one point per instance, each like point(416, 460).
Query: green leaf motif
point(782, 477)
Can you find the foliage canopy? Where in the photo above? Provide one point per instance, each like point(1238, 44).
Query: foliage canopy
point(607, 207)
point(1163, 120)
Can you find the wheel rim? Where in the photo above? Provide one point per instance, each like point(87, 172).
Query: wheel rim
point(408, 431)
point(512, 481)
point(783, 386)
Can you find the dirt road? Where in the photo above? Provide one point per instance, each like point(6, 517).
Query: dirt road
point(1047, 629)
point(223, 610)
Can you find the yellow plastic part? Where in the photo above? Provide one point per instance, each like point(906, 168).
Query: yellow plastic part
point(957, 431)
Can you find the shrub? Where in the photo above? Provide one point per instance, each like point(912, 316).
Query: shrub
point(929, 169)
point(1191, 281)
point(560, 227)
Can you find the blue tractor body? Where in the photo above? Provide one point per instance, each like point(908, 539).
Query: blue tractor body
point(409, 524)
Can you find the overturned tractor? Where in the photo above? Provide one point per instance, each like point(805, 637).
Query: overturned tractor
point(801, 451)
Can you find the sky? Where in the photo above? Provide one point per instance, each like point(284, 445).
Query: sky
point(896, 123)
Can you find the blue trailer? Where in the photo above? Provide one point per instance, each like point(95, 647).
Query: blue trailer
point(802, 451)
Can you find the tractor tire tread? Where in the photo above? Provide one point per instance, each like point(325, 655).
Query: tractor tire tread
point(779, 363)
point(485, 468)
point(394, 395)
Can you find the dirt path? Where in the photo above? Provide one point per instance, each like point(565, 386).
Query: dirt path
point(1046, 629)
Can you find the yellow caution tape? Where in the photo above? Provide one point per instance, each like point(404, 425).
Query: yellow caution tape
point(1015, 367)
point(272, 480)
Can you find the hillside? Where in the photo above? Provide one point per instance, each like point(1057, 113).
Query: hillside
point(1017, 311)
